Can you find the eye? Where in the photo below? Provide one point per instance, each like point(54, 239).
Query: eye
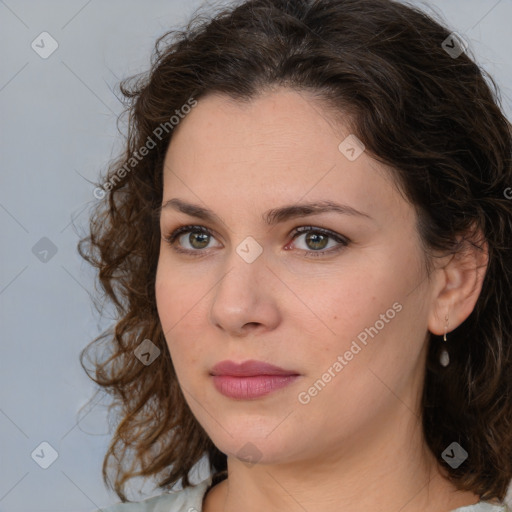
point(317, 239)
point(198, 238)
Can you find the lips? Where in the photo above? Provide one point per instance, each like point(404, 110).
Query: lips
point(249, 369)
point(250, 380)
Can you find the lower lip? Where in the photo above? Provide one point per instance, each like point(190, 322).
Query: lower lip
point(251, 387)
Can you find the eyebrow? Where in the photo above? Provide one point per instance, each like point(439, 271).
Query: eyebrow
point(272, 216)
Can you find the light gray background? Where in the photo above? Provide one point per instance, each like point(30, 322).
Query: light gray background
point(58, 130)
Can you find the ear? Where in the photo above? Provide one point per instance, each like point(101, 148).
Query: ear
point(458, 283)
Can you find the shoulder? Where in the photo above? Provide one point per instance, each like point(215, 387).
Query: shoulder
point(484, 506)
point(186, 500)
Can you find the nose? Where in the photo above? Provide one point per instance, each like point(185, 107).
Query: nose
point(245, 299)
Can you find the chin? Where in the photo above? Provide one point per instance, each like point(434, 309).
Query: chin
point(259, 448)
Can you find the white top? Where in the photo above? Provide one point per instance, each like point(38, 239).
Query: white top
point(191, 500)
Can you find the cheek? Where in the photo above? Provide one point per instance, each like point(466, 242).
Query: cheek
point(354, 299)
point(179, 292)
point(376, 352)
point(352, 372)
point(165, 294)
point(177, 302)
point(370, 312)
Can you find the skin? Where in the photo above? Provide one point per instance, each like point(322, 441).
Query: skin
point(358, 444)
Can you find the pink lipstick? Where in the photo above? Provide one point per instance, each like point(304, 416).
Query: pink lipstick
point(250, 379)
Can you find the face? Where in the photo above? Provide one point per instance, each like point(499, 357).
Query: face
point(339, 298)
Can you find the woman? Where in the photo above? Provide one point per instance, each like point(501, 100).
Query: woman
point(308, 244)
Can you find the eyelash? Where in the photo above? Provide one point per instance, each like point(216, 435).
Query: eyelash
point(343, 241)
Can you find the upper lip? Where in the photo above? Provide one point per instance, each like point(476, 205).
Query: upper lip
point(249, 369)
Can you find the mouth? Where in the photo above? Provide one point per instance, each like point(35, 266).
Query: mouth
point(250, 379)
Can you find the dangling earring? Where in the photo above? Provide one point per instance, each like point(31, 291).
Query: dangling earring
point(444, 358)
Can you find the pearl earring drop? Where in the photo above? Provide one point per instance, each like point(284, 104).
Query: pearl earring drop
point(444, 358)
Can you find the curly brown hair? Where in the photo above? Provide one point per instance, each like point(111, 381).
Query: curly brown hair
point(434, 118)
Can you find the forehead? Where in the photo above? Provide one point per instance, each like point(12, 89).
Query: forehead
point(282, 144)
point(278, 118)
